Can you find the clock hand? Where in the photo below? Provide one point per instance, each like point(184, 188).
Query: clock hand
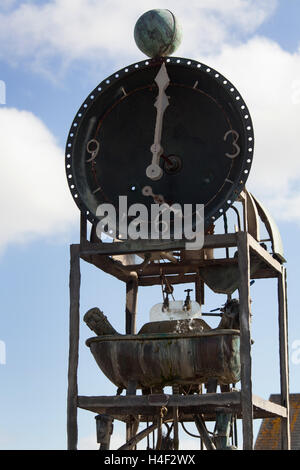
point(162, 79)
point(158, 198)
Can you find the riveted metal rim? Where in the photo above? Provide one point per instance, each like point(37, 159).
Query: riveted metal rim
point(233, 94)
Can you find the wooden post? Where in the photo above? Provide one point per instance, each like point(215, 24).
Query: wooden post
point(73, 347)
point(131, 304)
point(200, 424)
point(130, 327)
point(133, 424)
point(138, 437)
point(199, 290)
point(283, 358)
point(245, 338)
point(83, 228)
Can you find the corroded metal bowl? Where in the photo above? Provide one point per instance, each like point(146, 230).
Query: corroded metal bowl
point(161, 359)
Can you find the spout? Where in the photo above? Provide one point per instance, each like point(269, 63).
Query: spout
point(98, 322)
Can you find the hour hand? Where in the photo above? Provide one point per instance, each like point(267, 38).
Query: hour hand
point(154, 171)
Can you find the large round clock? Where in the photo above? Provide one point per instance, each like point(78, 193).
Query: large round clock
point(168, 130)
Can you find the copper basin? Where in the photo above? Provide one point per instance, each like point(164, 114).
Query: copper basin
point(161, 359)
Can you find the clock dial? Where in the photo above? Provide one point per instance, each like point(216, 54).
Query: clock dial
point(203, 152)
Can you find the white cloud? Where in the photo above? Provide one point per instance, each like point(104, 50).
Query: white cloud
point(99, 31)
point(35, 199)
point(103, 30)
point(269, 80)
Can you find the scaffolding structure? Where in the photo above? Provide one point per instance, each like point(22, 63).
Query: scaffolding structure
point(136, 409)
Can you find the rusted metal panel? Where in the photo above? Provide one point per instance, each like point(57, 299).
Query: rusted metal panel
point(166, 359)
point(225, 279)
point(252, 216)
point(272, 230)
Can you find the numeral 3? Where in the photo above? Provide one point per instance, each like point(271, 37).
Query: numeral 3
point(236, 137)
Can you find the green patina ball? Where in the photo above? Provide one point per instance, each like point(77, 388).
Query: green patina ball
point(157, 33)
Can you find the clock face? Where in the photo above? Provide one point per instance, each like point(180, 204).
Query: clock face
point(199, 137)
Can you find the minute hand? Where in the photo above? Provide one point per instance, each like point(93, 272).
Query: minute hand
point(162, 79)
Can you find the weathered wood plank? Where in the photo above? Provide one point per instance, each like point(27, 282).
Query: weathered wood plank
point(156, 280)
point(138, 437)
point(142, 246)
point(268, 407)
point(185, 267)
point(74, 285)
point(132, 246)
point(263, 254)
point(186, 413)
point(106, 264)
point(245, 339)
point(137, 401)
point(200, 424)
point(283, 359)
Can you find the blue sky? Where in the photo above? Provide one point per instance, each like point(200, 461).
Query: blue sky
point(53, 53)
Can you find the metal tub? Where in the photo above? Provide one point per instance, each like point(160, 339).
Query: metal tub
point(157, 360)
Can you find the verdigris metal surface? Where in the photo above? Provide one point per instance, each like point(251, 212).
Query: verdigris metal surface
point(192, 325)
point(225, 279)
point(157, 33)
point(156, 360)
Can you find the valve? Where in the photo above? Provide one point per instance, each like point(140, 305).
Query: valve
point(187, 303)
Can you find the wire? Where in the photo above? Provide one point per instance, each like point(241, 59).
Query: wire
point(189, 433)
point(194, 435)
